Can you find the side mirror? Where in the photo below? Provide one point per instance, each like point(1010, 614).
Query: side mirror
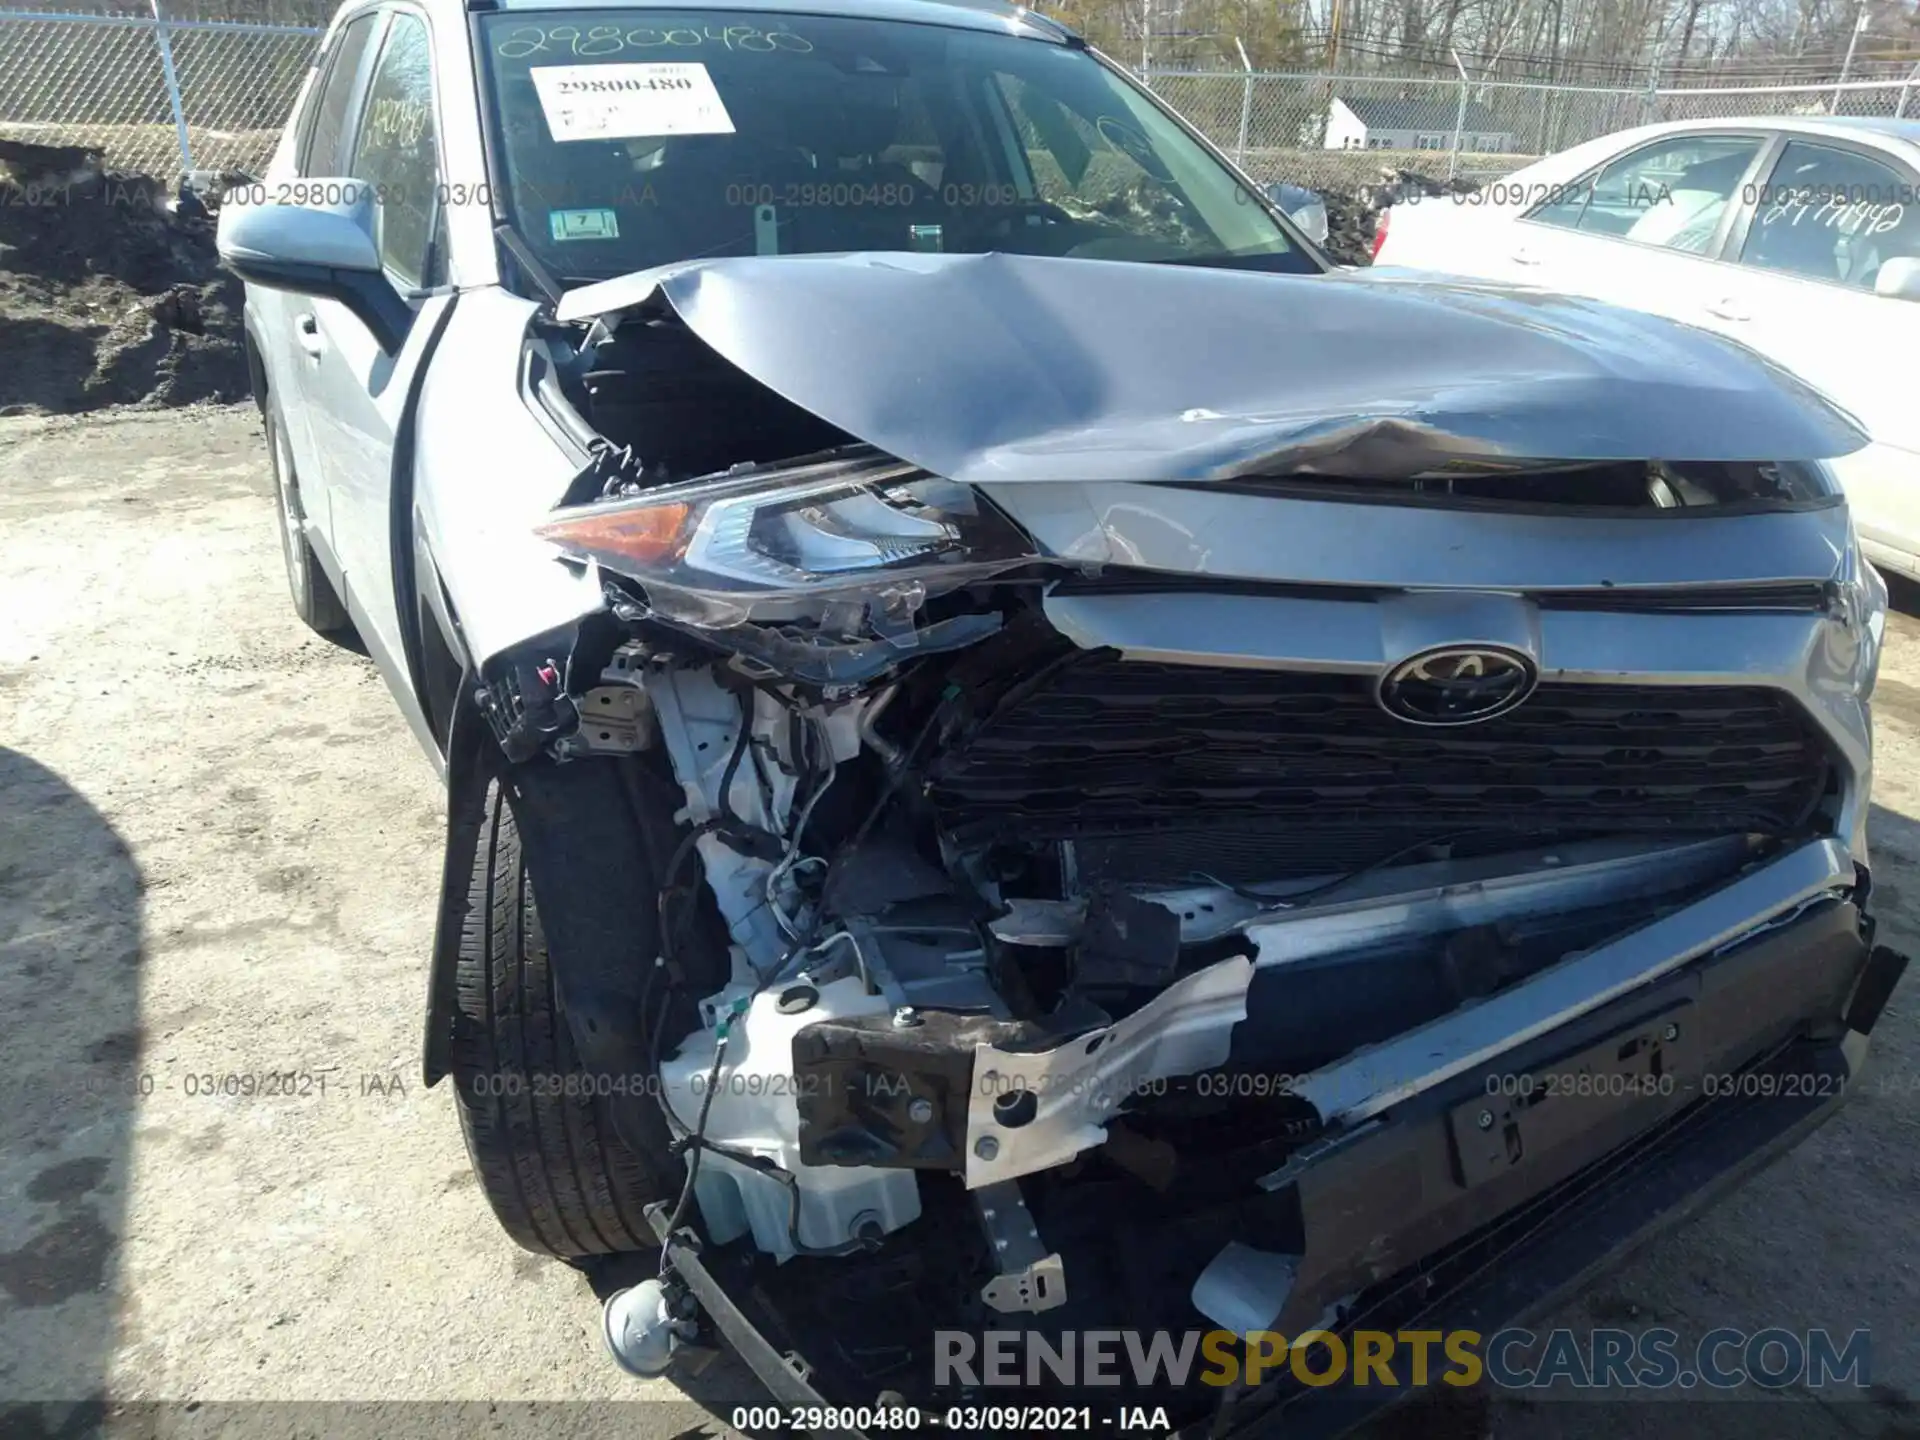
point(1899, 278)
point(322, 247)
point(1303, 206)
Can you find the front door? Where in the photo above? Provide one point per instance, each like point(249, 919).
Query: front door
point(1642, 231)
point(360, 393)
point(1802, 293)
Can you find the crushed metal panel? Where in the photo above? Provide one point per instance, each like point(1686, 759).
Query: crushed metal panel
point(1365, 1083)
point(1557, 1103)
point(1568, 878)
point(1030, 1112)
point(1056, 369)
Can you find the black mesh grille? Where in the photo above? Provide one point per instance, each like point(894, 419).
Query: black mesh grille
point(1276, 774)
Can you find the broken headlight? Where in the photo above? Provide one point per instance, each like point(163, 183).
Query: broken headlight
point(795, 541)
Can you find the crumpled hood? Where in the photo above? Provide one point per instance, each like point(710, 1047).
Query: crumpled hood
point(996, 368)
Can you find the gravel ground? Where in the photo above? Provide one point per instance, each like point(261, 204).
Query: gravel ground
point(219, 850)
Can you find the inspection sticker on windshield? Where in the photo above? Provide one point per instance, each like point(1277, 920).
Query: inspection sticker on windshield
point(583, 224)
point(622, 102)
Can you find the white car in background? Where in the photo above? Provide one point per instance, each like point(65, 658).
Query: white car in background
point(1799, 236)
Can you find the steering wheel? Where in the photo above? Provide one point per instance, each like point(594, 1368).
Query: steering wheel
point(1060, 228)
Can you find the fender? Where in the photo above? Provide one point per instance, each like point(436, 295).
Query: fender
point(256, 367)
point(405, 578)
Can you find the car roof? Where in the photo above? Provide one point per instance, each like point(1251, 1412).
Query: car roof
point(994, 15)
point(1907, 130)
point(1838, 127)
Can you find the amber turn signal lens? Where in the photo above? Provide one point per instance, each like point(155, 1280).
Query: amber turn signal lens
point(651, 533)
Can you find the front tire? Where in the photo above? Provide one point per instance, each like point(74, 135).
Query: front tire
point(543, 1146)
point(314, 598)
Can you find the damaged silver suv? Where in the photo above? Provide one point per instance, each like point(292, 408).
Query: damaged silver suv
point(1021, 753)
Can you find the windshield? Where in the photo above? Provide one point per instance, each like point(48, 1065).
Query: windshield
point(630, 138)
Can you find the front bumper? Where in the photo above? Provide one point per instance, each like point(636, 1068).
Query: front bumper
point(1411, 1221)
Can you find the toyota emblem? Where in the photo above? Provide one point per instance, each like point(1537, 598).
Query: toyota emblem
point(1456, 685)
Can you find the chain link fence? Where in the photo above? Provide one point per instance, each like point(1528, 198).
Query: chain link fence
point(160, 94)
point(1339, 131)
point(157, 95)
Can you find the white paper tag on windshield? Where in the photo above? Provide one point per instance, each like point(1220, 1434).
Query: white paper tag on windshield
point(624, 102)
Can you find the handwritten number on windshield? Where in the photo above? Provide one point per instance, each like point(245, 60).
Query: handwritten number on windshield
point(596, 41)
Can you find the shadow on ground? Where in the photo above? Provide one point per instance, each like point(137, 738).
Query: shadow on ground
point(70, 1080)
point(1902, 594)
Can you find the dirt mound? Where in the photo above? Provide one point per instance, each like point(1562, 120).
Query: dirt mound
point(1350, 222)
point(110, 290)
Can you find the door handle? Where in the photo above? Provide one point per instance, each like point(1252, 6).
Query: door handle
point(1524, 257)
point(307, 331)
point(1728, 310)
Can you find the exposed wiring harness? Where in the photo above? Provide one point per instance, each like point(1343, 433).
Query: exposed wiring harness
point(723, 1031)
point(788, 964)
point(793, 861)
point(691, 1141)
